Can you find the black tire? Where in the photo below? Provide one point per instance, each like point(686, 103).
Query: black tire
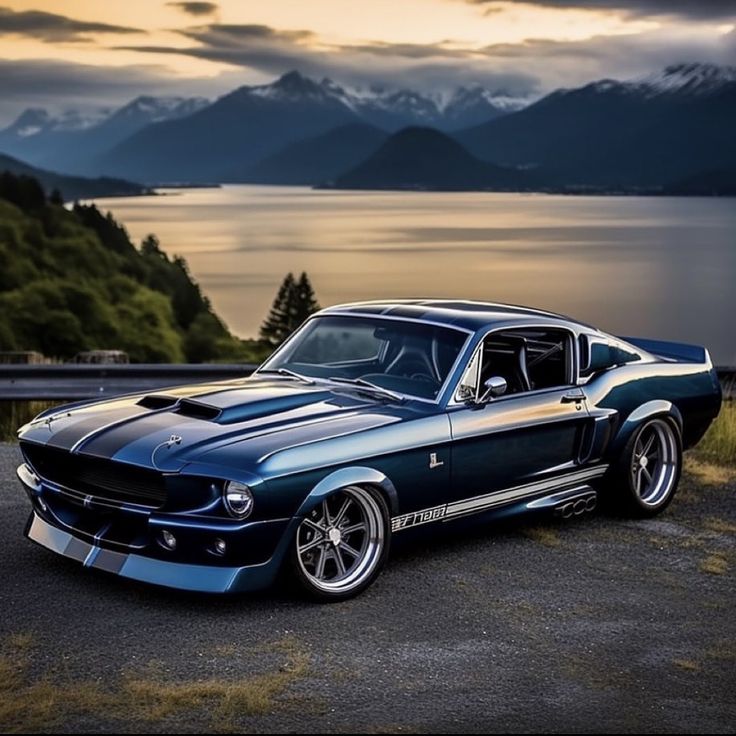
point(645, 478)
point(342, 546)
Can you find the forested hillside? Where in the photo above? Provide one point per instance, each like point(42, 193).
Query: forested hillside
point(72, 280)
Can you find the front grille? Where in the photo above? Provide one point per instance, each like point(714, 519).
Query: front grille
point(106, 480)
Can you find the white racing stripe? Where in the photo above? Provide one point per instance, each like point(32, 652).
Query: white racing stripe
point(489, 500)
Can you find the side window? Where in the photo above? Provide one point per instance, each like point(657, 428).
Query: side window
point(529, 359)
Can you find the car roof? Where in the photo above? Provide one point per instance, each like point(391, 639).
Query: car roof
point(466, 314)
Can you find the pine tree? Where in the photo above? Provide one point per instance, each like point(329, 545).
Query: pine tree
point(304, 301)
point(274, 329)
point(294, 302)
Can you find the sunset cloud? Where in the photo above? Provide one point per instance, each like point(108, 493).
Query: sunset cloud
point(52, 27)
point(519, 49)
point(696, 9)
point(195, 9)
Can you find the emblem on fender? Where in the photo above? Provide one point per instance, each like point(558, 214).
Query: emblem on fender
point(434, 462)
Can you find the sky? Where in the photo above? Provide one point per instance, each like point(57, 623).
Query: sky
point(88, 53)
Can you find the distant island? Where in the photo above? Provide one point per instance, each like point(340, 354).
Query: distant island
point(668, 133)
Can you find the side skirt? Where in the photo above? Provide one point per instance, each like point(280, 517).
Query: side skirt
point(546, 493)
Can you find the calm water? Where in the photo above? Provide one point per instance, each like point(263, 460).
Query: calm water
point(640, 266)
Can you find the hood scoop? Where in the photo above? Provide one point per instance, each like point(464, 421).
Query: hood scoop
point(197, 410)
point(157, 401)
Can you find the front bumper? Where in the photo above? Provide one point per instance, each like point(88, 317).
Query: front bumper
point(147, 562)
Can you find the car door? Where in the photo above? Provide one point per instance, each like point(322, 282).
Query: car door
point(520, 438)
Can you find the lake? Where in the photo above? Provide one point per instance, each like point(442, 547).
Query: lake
point(646, 266)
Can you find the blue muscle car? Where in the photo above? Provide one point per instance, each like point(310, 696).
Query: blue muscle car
point(372, 419)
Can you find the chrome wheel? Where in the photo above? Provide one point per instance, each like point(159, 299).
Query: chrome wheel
point(654, 468)
point(341, 542)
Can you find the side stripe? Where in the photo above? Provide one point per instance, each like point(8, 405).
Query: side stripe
point(475, 505)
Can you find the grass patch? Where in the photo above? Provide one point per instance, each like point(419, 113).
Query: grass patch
point(14, 414)
point(28, 705)
point(688, 665)
point(709, 473)
point(721, 526)
point(715, 564)
point(546, 535)
point(719, 444)
point(156, 699)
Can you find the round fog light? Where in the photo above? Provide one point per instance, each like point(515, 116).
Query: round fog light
point(168, 539)
point(220, 546)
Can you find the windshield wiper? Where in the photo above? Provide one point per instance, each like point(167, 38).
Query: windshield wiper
point(288, 374)
point(367, 386)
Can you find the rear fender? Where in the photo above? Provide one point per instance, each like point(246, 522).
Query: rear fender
point(656, 407)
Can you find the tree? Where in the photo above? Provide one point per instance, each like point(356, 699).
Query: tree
point(294, 302)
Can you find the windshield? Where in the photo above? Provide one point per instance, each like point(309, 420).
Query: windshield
point(410, 358)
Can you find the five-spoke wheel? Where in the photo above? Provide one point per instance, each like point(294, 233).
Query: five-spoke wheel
point(650, 467)
point(342, 544)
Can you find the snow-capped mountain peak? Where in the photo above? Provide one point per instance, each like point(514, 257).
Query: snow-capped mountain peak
point(156, 109)
point(693, 79)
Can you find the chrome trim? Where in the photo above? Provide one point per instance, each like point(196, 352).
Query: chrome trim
point(476, 504)
point(440, 392)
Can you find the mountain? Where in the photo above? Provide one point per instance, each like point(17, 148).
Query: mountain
point(396, 109)
point(253, 123)
point(72, 141)
point(71, 187)
point(426, 159)
point(643, 133)
point(237, 130)
point(316, 159)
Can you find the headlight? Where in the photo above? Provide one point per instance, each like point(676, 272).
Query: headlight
point(238, 499)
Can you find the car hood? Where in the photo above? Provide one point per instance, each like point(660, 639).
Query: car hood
point(171, 428)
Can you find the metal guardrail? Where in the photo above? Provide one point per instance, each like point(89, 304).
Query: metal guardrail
point(71, 382)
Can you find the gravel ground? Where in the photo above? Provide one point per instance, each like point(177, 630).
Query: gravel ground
point(593, 625)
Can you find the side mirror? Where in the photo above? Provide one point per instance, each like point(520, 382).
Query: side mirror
point(494, 387)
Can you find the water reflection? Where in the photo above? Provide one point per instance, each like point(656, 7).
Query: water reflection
point(632, 265)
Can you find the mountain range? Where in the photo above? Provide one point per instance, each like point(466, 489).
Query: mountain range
point(72, 187)
point(648, 134)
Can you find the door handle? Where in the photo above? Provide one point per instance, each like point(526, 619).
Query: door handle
point(572, 399)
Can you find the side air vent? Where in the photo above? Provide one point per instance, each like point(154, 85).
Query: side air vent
point(190, 408)
point(157, 401)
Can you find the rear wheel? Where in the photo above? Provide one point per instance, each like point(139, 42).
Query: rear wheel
point(649, 469)
point(341, 546)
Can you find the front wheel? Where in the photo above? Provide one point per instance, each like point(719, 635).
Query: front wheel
point(649, 469)
point(341, 546)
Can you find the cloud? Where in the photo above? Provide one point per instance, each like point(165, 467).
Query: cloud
point(523, 69)
point(694, 9)
point(64, 85)
point(232, 35)
point(52, 27)
point(274, 51)
point(195, 9)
